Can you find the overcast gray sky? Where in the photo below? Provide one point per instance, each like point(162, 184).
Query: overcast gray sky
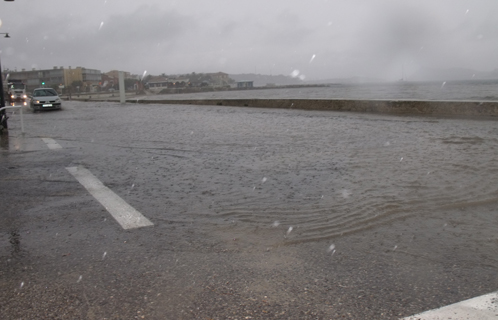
point(320, 38)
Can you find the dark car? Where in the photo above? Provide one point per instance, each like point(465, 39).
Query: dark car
point(45, 99)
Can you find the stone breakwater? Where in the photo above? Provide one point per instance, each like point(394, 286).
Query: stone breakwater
point(400, 107)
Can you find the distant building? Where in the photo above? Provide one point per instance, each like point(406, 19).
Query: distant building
point(91, 76)
point(157, 83)
point(178, 82)
point(219, 79)
point(245, 84)
point(109, 83)
point(115, 74)
point(110, 80)
point(59, 77)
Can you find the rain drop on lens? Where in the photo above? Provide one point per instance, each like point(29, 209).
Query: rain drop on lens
point(79, 279)
point(264, 180)
point(331, 248)
point(346, 193)
point(289, 230)
point(275, 224)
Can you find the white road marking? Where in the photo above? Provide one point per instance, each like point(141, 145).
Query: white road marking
point(51, 143)
point(479, 308)
point(124, 214)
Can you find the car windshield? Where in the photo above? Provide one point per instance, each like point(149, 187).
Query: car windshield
point(43, 93)
point(249, 159)
point(17, 86)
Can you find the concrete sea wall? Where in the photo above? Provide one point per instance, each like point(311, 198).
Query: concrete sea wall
point(399, 107)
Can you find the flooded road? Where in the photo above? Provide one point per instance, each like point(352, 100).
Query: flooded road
point(326, 174)
point(313, 214)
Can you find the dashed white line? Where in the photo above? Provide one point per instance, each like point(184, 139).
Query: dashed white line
point(127, 216)
point(480, 308)
point(51, 143)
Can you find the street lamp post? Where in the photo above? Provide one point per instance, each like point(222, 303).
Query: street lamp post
point(2, 102)
point(3, 117)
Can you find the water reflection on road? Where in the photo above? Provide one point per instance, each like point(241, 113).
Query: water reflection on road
point(15, 241)
point(4, 141)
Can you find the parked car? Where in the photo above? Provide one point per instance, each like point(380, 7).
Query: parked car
point(45, 99)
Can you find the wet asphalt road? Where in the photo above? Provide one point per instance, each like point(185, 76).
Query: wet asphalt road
point(62, 255)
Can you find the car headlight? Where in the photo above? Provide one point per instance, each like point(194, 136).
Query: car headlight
point(12, 96)
point(57, 100)
point(37, 101)
point(24, 96)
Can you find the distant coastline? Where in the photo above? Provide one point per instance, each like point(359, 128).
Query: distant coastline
point(474, 90)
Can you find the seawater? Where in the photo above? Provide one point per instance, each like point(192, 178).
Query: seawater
point(478, 90)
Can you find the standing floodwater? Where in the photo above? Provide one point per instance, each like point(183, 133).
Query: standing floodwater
point(255, 213)
point(325, 174)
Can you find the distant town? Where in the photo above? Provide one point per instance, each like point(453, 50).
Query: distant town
point(85, 80)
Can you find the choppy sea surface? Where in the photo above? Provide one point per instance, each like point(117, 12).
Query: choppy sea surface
point(479, 90)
